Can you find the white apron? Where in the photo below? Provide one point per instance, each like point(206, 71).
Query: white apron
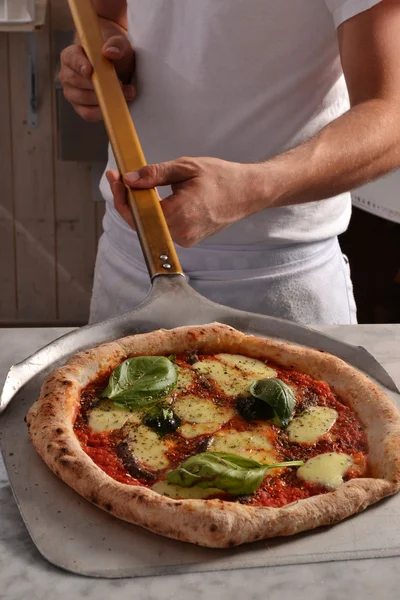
point(307, 283)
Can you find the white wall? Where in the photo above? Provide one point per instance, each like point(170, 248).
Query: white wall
point(382, 198)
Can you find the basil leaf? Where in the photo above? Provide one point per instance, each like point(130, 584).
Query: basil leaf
point(162, 420)
point(141, 381)
point(230, 473)
point(278, 395)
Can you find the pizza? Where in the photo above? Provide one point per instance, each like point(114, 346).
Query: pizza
point(210, 436)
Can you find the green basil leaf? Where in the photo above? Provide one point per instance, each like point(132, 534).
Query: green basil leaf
point(141, 381)
point(162, 420)
point(229, 473)
point(278, 395)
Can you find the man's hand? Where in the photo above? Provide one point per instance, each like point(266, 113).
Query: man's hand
point(76, 75)
point(208, 195)
point(363, 144)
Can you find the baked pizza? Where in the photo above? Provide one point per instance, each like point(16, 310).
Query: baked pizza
point(213, 437)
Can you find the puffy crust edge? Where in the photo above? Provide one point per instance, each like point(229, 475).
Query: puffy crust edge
point(214, 523)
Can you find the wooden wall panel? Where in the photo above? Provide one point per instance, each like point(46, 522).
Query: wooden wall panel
point(75, 213)
point(8, 295)
point(50, 216)
point(33, 184)
point(76, 241)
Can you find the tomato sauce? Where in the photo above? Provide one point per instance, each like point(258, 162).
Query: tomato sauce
point(346, 436)
point(279, 491)
point(101, 447)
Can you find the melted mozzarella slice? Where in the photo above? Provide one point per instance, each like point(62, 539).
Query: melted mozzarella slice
point(147, 447)
point(107, 416)
point(189, 431)
point(200, 415)
point(310, 426)
point(229, 380)
point(175, 491)
point(195, 410)
point(232, 380)
point(249, 366)
point(254, 444)
point(326, 470)
point(185, 379)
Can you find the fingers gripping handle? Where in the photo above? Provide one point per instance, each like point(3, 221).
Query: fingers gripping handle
point(155, 238)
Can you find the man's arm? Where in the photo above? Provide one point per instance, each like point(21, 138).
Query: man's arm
point(364, 144)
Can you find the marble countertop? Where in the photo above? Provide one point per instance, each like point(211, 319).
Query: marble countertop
point(25, 574)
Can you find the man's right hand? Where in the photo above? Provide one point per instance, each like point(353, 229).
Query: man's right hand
point(76, 75)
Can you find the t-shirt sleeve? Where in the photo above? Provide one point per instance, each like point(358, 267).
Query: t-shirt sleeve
point(342, 10)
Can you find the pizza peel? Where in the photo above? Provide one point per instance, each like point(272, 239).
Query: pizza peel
point(171, 303)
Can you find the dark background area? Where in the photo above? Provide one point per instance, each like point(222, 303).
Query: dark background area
point(372, 245)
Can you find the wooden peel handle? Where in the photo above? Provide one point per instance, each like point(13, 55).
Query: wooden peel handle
point(153, 232)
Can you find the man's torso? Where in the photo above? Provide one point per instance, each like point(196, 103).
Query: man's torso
point(240, 80)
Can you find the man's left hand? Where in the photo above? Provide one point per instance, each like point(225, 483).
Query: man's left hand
point(208, 194)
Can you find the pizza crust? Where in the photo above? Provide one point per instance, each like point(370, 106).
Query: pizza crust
point(214, 523)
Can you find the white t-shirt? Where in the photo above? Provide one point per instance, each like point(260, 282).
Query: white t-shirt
point(241, 80)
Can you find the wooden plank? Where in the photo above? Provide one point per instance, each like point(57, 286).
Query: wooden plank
point(8, 293)
point(75, 213)
point(33, 184)
point(76, 240)
point(60, 15)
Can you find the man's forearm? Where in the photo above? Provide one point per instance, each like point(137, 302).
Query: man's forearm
point(360, 146)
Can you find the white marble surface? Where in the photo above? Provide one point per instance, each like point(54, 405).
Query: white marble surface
point(25, 574)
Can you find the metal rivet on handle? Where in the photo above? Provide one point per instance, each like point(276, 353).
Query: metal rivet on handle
point(167, 266)
point(164, 257)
